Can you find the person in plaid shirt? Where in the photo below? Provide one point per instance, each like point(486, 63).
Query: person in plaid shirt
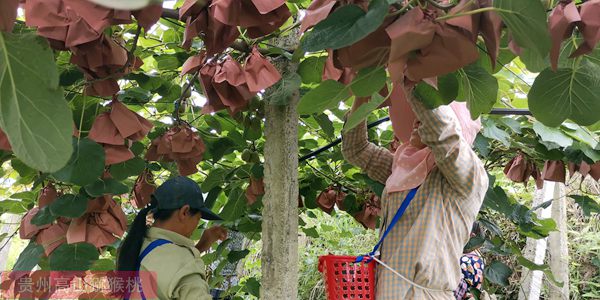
point(426, 243)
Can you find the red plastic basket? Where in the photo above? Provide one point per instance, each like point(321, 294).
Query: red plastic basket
point(345, 279)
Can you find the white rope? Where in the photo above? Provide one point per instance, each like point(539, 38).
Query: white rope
point(404, 278)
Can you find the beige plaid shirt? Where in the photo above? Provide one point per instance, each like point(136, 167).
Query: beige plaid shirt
point(426, 244)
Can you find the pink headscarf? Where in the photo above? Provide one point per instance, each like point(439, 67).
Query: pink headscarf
point(411, 164)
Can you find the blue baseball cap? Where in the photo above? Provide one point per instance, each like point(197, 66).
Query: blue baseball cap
point(179, 191)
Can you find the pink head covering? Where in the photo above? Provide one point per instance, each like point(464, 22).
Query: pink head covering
point(411, 164)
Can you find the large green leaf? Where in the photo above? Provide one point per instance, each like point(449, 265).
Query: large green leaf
point(491, 131)
point(446, 92)
point(132, 167)
point(345, 26)
point(550, 134)
point(363, 111)
point(533, 61)
point(327, 95)
point(527, 22)
point(69, 205)
point(568, 93)
point(33, 110)
point(311, 69)
point(368, 81)
point(86, 164)
point(478, 88)
point(29, 257)
point(43, 217)
point(496, 199)
point(73, 257)
point(235, 256)
point(497, 272)
point(252, 286)
point(106, 186)
point(326, 124)
point(587, 204)
point(236, 205)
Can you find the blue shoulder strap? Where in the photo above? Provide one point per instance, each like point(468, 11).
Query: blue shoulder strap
point(395, 220)
point(153, 245)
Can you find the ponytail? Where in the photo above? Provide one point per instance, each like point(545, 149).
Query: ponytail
point(129, 252)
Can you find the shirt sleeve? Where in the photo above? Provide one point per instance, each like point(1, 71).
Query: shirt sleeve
point(440, 130)
point(374, 160)
point(192, 286)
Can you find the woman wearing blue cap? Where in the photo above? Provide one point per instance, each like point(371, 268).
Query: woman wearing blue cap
point(165, 248)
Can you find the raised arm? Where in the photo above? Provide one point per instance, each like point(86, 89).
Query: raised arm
point(440, 130)
point(374, 160)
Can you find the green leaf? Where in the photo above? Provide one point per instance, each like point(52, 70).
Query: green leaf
point(86, 164)
point(566, 94)
point(106, 186)
point(478, 88)
point(73, 257)
point(361, 113)
point(252, 286)
point(496, 199)
point(69, 205)
point(103, 264)
point(553, 135)
point(533, 61)
point(281, 91)
point(135, 95)
point(581, 134)
point(167, 62)
point(43, 217)
point(126, 169)
point(491, 131)
point(311, 69)
point(21, 168)
point(497, 272)
point(311, 232)
point(482, 145)
point(214, 179)
point(325, 124)
point(345, 26)
point(327, 95)
point(430, 96)
point(527, 22)
point(368, 81)
point(29, 257)
point(234, 255)
point(587, 204)
point(212, 196)
point(592, 154)
point(235, 206)
point(474, 243)
point(13, 206)
point(33, 111)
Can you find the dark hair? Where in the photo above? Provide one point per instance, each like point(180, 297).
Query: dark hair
point(476, 230)
point(129, 251)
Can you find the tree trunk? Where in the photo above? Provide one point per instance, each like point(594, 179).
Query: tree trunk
point(279, 259)
point(558, 251)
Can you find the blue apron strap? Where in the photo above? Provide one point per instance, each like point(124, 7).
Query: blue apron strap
point(153, 245)
point(395, 220)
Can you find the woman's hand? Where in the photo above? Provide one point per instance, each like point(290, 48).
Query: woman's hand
point(210, 236)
